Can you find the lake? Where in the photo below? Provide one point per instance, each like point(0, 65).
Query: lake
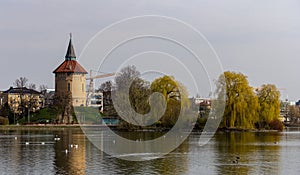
point(29, 151)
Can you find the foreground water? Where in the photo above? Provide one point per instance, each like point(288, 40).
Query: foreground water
point(38, 152)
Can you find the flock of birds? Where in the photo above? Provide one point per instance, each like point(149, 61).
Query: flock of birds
point(71, 146)
point(56, 138)
point(75, 146)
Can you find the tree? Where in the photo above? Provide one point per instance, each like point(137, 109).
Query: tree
point(175, 95)
point(139, 94)
point(32, 86)
point(43, 88)
point(27, 103)
point(105, 87)
point(242, 105)
point(6, 111)
point(108, 108)
point(139, 89)
point(125, 77)
point(21, 82)
point(294, 113)
point(268, 97)
point(62, 105)
point(131, 97)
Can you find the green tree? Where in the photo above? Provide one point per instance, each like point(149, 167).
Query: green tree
point(139, 91)
point(242, 105)
point(131, 88)
point(139, 94)
point(268, 96)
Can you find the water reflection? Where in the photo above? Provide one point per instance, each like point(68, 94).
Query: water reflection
point(248, 152)
point(173, 163)
point(259, 153)
point(17, 157)
point(45, 155)
point(68, 158)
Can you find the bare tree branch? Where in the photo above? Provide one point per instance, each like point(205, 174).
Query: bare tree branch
point(21, 82)
point(32, 86)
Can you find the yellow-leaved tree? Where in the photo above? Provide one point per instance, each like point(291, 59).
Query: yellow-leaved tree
point(241, 110)
point(176, 96)
point(268, 97)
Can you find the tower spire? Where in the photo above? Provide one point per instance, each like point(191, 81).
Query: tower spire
point(70, 55)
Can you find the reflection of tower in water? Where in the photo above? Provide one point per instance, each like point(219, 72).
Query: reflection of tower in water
point(72, 162)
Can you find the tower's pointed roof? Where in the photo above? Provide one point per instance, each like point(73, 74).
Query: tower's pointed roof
point(70, 65)
point(70, 55)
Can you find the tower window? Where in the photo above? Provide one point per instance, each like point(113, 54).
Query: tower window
point(69, 87)
point(82, 87)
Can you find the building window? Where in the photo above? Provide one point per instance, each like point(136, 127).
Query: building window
point(82, 87)
point(69, 87)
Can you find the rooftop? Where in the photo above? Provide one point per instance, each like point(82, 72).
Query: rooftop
point(70, 65)
point(20, 90)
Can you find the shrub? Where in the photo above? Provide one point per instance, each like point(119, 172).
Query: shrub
point(4, 121)
point(201, 121)
point(276, 125)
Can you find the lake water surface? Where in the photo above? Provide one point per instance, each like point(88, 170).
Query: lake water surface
point(259, 153)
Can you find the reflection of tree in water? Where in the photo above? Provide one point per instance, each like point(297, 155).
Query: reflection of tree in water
point(174, 163)
point(247, 152)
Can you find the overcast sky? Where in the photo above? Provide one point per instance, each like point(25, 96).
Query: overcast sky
point(260, 38)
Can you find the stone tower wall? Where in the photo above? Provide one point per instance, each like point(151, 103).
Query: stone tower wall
point(74, 83)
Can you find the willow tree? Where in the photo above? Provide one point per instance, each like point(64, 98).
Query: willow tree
point(242, 105)
point(268, 96)
point(176, 97)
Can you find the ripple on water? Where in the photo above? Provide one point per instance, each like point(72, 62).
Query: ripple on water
point(258, 155)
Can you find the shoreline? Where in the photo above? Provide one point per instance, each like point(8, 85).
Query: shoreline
point(38, 127)
point(246, 130)
point(115, 128)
